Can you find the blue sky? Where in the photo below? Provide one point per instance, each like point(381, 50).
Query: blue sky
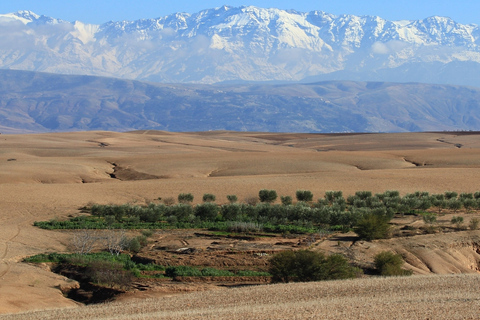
point(100, 11)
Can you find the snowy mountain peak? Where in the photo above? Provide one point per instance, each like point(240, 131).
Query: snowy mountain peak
point(27, 17)
point(22, 16)
point(242, 43)
point(26, 14)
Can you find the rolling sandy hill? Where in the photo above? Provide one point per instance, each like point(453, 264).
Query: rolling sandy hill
point(46, 176)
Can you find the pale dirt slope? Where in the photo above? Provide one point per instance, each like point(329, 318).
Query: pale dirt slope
point(52, 175)
point(416, 297)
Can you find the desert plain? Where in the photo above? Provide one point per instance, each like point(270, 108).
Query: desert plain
point(47, 176)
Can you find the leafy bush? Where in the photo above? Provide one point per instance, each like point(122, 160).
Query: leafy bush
point(208, 197)
point(182, 211)
point(231, 212)
point(333, 196)
point(100, 267)
point(286, 200)
point(134, 245)
point(185, 198)
point(363, 195)
point(389, 264)
point(372, 227)
point(429, 218)
point(206, 211)
point(304, 195)
point(109, 273)
point(450, 195)
point(473, 224)
point(458, 221)
point(232, 198)
point(306, 265)
point(268, 196)
point(454, 204)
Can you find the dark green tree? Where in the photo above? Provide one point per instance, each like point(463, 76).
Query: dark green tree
point(268, 196)
point(232, 198)
point(307, 265)
point(185, 197)
point(372, 227)
point(304, 195)
point(390, 264)
point(286, 200)
point(207, 211)
point(208, 197)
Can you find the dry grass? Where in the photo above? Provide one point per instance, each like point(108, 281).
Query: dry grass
point(417, 297)
point(52, 175)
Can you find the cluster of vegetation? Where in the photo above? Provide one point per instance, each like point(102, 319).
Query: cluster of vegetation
point(102, 268)
point(113, 241)
point(366, 213)
point(307, 265)
point(188, 271)
point(390, 264)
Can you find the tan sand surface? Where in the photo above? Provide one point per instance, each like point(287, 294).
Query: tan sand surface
point(440, 297)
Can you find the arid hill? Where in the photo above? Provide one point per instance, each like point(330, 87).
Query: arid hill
point(41, 102)
point(46, 176)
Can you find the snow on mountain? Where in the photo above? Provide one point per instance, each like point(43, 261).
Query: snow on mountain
point(243, 43)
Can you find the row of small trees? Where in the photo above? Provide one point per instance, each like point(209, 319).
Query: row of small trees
point(366, 213)
point(264, 195)
point(332, 210)
point(412, 201)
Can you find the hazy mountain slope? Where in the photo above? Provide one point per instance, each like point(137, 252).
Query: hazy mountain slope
point(246, 43)
point(40, 102)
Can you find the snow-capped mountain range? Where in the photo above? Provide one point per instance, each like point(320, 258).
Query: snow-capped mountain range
point(246, 43)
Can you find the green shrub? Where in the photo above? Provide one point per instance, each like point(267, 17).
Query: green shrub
point(182, 211)
point(304, 195)
point(185, 198)
point(109, 273)
point(449, 195)
point(268, 196)
point(363, 195)
point(333, 196)
point(206, 211)
point(231, 211)
point(232, 198)
point(429, 218)
point(390, 264)
point(372, 227)
point(473, 224)
point(306, 265)
point(286, 200)
point(134, 245)
point(208, 197)
point(147, 233)
point(282, 266)
point(454, 204)
point(458, 221)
